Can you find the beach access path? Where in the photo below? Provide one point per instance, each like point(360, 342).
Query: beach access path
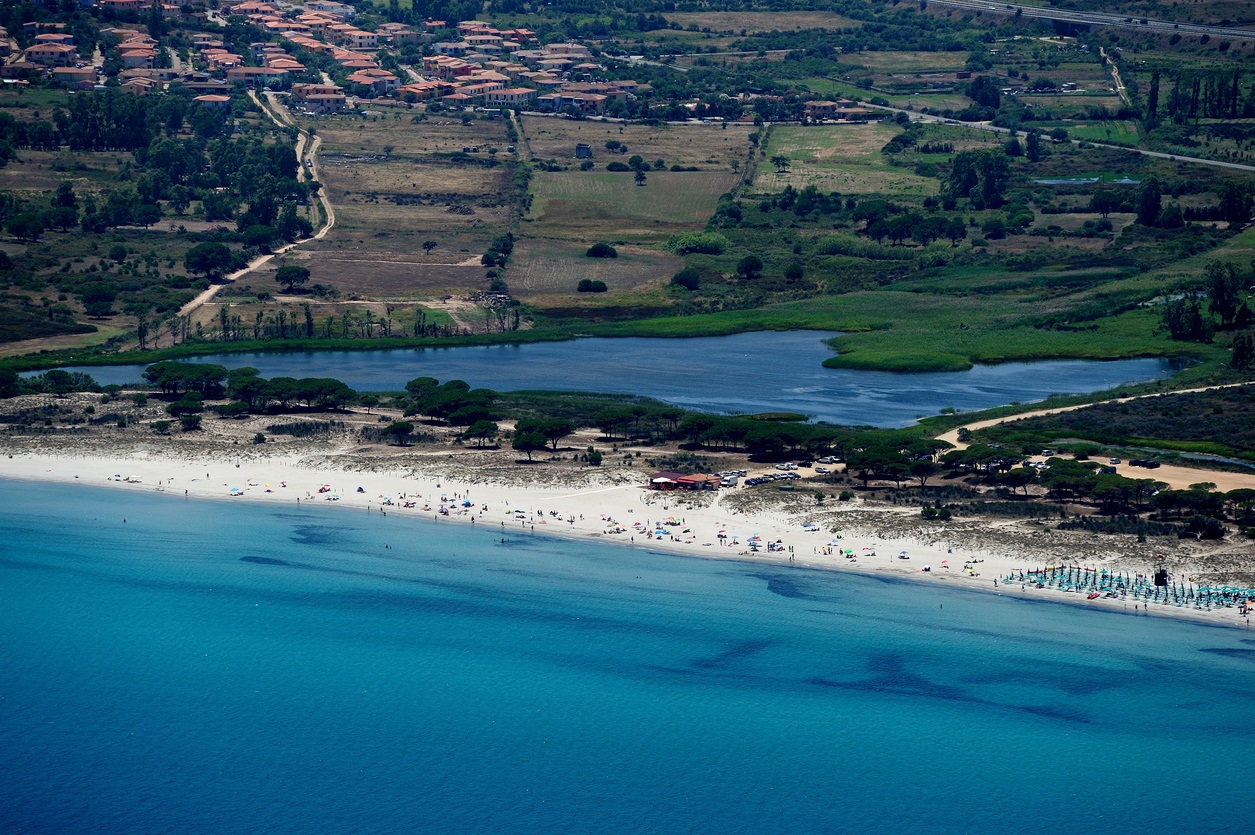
point(307, 170)
point(1176, 476)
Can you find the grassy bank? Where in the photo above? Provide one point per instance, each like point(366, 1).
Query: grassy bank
point(896, 331)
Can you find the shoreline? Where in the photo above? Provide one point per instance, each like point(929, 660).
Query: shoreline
point(595, 506)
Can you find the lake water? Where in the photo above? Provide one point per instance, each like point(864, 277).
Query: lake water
point(218, 667)
point(749, 372)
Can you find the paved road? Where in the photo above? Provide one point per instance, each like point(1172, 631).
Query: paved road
point(1095, 18)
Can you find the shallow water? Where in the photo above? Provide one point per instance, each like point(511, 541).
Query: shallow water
point(743, 373)
point(226, 667)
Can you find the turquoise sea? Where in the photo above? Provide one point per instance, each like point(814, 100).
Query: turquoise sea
point(219, 667)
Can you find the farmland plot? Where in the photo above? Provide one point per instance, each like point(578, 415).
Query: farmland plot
point(842, 158)
point(544, 267)
point(601, 206)
point(704, 146)
point(395, 185)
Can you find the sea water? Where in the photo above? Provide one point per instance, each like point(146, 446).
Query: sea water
point(194, 666)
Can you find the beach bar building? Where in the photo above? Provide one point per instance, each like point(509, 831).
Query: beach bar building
point(683, 481)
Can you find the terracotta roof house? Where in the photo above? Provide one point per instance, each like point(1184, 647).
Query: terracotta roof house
point(510, 97)
point(376, 80)
point(214, 101)
point(252, 75)
point(51, 54)
point(138, 58)
point(77, 78)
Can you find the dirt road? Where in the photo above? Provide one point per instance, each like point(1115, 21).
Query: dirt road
point(307, 158)
point(1177, 477)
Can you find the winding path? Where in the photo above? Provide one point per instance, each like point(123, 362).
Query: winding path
point(307, 170)
point(1177, 477)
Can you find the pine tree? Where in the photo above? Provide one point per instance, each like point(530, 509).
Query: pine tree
point(1243, 351)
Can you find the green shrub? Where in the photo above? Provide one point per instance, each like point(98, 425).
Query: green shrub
point(601, 250)
point(706, 243)
point(688, 278)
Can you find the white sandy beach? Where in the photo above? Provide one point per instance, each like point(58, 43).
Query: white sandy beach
point(609, 505)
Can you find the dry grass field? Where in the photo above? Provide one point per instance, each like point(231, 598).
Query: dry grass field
point(435, 134)
point(541, 268)
point(394, 185)
point(39, 171)
point(899, 62)
point(1074, 221)
point(842, 158)
point(573, 209)
point(590, 206)
point(384, 276)
point(704, 146)
point(753, 22)
point(1071, 102)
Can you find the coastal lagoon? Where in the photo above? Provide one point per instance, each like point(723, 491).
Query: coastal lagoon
point(742, 373)
point(178, 665)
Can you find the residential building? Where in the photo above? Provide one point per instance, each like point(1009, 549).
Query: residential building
point(214, 101)
point(140, 86)
point(252, 76)
point(319, 98)
point(341, 9)
point(138, 58)
point(76, 78)
point(377, 81)
point(51, 54)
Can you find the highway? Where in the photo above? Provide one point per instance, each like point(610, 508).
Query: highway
point(1096, 18)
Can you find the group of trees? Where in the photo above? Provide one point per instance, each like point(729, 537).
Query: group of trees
point(453, 401)
point(534, 434)
point(1201, 94)
point(189, 384)
point(981, 177)
point(224, 175)
point(1224, 291)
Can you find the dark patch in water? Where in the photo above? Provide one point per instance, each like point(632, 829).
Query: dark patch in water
point(891, 676)
point(741, 649)
point(265, 561)
point(321, 535)
point(1072, 679)
point(1231, 652)
point(1052, 713)
point(782, 586)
